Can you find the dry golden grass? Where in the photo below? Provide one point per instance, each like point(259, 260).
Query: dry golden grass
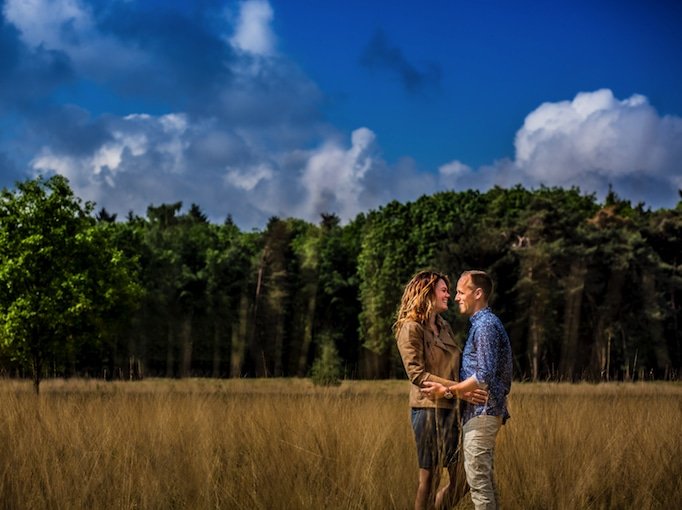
point(592, 446)
point(285, 444)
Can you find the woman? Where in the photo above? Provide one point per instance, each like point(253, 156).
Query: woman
point(430, 353)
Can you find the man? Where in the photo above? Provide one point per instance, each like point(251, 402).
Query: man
point(486, 363)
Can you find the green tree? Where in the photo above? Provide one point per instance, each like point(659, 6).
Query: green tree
point(245, 260)
point(385, 263)
point(307, 248)
point(664, 235)
point(535, 289)
point(338, 306)
point(176, 279)
point(285, 296)
point(624, 292)
point(61, 279)
point(227, 271)
point(326, 370)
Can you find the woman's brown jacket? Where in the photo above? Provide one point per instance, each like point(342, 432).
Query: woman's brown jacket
point(428, 357)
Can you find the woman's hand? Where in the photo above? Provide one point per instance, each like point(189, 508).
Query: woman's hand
point(433, 390)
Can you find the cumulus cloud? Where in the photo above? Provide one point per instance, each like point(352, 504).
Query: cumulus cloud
point(334, 177)
point(242, 131)
point(69, 27)
point(150, 159)
point(248, 178)
point(237, 112)
point(54, 24)
point(137, 143)
point(454, 170)
point(132, 50)
point(599, 135)
point(592, 141)
point(253, 33)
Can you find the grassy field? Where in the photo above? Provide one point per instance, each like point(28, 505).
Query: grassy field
point(285, 444)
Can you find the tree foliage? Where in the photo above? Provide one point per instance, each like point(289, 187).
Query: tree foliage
point(61, 279)
point(587, 290)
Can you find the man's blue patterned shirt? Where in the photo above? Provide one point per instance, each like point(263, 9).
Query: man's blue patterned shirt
point(487, 356)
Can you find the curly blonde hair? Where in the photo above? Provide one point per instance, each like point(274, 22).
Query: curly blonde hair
point(417, 301)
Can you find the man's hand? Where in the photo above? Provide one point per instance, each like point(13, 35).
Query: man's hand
point(478, 396)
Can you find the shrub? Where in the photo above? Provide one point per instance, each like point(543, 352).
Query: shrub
point(326, 370)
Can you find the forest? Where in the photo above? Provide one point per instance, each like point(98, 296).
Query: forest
point(587, 290)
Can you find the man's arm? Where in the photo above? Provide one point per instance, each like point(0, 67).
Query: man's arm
point(486, 341)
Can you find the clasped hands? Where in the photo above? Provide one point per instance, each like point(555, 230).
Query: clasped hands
point(434, 390)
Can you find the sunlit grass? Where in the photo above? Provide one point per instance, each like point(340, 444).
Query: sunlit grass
point(283, 443)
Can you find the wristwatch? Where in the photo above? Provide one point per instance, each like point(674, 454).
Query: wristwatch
point(448, 394)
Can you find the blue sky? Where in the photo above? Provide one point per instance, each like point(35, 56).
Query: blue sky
point(292, 108)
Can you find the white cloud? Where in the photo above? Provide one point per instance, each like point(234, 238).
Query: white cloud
point(149, 160)
point(333, 177)
point(68, 26)
point(43, 22)
point(454, 170)
point(253, 33)
point(239, 153)
point(257, 145)
point(249, 178)
point(592, 141)
point(137, 142)
point(597, 135)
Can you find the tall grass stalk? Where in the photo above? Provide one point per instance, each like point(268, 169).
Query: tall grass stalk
point(286, 444)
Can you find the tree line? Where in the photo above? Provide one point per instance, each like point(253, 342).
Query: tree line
point(587, 290)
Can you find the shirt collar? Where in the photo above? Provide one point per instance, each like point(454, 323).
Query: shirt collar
point(479, 315)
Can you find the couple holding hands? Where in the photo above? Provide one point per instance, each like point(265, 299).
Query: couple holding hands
point(459, 393)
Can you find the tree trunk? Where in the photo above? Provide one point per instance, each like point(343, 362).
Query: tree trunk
point(170, 349)
point(215, 370)
point(239, 335)
point(375, 365)
point(607, 317)
point(537, 334)
point(37, 363)
point(675, 314)
point(255, 352)
point(572, 308)
point(278, 347)
point(307, 340)
point(186, 343)
point(653, 315)
point(536, 329)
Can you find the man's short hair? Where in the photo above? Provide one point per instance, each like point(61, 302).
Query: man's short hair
point(480, 280)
